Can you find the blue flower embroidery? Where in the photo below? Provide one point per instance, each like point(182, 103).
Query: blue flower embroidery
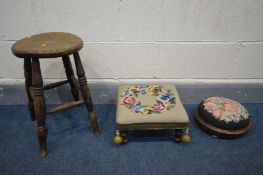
point(143, 91)
point(172, 100)
point(165, 96)
point(138, 108)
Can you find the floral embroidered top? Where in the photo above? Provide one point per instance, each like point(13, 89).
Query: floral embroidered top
point(164, 99)
point(224, 109)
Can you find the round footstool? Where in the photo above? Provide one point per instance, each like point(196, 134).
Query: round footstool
point(223, 117)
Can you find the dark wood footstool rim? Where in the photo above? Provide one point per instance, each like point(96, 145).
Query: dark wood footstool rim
point(47, 45)
point(151, 126)
point(221, 132)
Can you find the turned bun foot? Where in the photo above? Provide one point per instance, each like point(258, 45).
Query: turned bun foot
point(186, 138)
point(118, 139)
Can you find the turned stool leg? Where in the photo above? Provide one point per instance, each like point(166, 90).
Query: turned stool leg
point(40, 106)
point(86, 93)
point(71, 78)
point(28, 84)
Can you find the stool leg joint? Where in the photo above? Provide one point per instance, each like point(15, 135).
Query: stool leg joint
point(82, 80)
point(37, 91)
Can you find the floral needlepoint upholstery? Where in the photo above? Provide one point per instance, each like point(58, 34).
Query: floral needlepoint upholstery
point(150, 106)
point(165, 99)
point(223, 114)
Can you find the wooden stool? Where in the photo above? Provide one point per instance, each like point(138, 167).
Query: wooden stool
point(52, 45)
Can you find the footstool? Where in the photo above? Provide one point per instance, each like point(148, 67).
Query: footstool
point(151, 107)
point(223, 117)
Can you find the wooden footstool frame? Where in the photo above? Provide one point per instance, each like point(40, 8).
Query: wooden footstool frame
point(34, 82)
point(180, 134)
point(181, 130)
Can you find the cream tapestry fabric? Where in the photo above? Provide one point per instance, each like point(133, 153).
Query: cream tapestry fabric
point(149, 104)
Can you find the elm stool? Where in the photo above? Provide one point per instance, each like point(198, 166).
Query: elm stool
point(53, 45)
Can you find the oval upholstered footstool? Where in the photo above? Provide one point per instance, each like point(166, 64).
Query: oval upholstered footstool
point(223, 117)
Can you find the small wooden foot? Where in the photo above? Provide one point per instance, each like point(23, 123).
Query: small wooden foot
point(118, 138)
point(186, 138)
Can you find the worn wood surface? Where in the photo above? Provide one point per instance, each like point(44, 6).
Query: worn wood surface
point(47, 45)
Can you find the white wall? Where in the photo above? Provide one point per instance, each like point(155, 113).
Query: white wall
point(139, 39)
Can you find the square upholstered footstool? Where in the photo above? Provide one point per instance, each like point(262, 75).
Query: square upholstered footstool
point(150, 108)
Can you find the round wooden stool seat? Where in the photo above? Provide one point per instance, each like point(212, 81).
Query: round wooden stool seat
point(47, 45)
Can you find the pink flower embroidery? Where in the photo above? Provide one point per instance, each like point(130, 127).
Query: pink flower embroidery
point(158, 107)
point(165, 99)
point(216, 113)
point(128, 100)
point(225, 109)
point(231, 107)
point(208, 104)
